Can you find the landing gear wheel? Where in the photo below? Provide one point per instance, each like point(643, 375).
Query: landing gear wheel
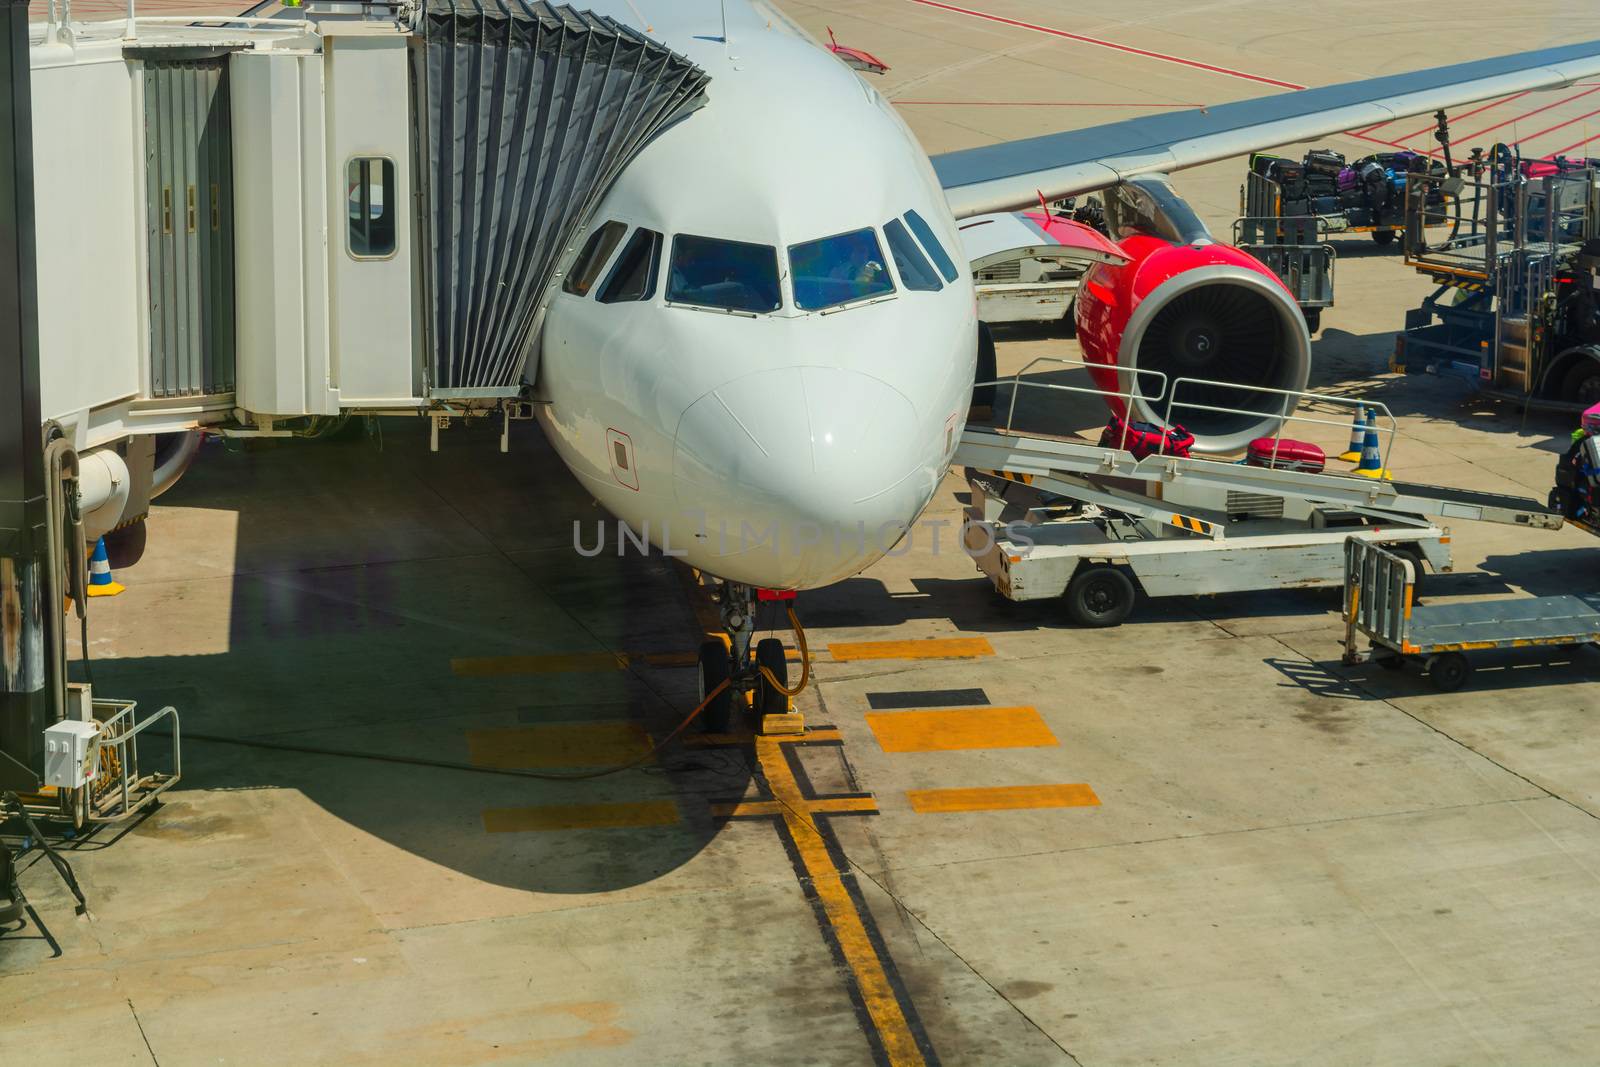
point(1383, 237)
point(770, 654)
point(1099, 596)
point(1449, 671)
point(1582, 384)
point(716, 667)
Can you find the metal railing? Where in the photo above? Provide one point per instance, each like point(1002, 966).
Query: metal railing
point(1289, 408)
point(130, 789)
point(1292, 399)
point(1378, 591)
point(1016, 382)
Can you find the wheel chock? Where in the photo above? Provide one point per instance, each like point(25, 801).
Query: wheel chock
point(782, 724)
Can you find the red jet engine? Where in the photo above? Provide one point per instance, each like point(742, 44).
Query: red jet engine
point(1185, 305)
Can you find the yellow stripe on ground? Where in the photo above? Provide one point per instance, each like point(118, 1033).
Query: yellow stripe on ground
point(580, 816)
point(963, 728)
point(872, 979)
point(825, 805)
point(1002, 798)
point(583, 744)
point(932, 648)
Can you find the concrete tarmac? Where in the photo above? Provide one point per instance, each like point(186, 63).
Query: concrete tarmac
point(1193, 839)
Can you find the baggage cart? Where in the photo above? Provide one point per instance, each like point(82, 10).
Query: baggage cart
point(1380, 604)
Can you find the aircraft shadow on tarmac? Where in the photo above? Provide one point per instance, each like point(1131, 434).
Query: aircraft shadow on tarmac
point(376, 599)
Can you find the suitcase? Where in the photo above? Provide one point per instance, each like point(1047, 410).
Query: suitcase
point(1325, 205)
point(1324, 161)
point(1322, 185)
point(1347, 179)
point(1261, 162)
point(1293, 209)
point(1282, 454)
point(1284, 171)
point(1146, 439)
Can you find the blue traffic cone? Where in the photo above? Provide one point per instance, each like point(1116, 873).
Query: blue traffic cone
point(1371, 455)
point(100, 581)
point(1353, 453)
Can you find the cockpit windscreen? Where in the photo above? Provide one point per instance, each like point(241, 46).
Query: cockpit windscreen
point(838, 270)
point(732, 275)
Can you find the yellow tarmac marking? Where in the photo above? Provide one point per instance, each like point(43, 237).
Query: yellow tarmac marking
point(963, 728)
point(849, 930)
point(587, 744)
point(1002, 798)
point(833, 805)
point(931, 648)
point(580, 816)
point(566, 663)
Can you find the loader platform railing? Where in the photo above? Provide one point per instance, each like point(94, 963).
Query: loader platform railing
point(1043, 456)
point(1492, 212)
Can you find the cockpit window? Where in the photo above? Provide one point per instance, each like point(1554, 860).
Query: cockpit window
point(924, 234)
point(586, 268)
point(915, 270)
point(634, 276)
point(838, 270)
point(723, 274)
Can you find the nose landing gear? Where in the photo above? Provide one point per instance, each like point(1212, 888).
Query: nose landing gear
point(758, 676)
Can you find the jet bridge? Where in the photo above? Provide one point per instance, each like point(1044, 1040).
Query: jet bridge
point(261, 225)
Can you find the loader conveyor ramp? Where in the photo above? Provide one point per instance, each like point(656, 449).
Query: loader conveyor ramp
point(1042, 456)
point(529, 111)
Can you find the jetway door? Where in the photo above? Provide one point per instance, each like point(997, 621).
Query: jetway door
point(189, 226)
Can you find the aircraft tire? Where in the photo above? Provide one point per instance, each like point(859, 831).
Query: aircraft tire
point(716, 667)
point(770, 654)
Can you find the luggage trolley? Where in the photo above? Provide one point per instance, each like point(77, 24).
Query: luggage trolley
point(1380, 603)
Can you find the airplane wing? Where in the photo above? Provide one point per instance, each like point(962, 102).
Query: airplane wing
point(1007, 176)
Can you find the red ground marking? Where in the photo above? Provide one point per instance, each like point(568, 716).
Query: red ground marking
point(1082, 39)
point(1529, 115)
point(1575, 144)
point(1040, 103)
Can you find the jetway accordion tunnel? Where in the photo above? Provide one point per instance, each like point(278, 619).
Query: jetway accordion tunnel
point(528, 113)
point(1190, 307)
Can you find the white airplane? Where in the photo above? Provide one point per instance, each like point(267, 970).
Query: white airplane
point(759, 350)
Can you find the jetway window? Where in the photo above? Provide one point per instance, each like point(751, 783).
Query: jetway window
point(634, 276)
point(732, 275)
point(838, 270)
point(372, 207)
point(915, 270)
point(596, 250)
point(924, 234)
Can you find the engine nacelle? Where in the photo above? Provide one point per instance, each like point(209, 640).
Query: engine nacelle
point(1194, 308)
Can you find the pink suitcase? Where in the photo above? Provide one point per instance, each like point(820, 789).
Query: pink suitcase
point(1283, 454)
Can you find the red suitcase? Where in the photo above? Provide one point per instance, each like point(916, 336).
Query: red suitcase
point(1286, 455)
point(1146, 439)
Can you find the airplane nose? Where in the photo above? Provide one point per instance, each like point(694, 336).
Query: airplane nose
point(808, 472)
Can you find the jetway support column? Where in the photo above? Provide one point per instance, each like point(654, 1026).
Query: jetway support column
point(27, 623)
